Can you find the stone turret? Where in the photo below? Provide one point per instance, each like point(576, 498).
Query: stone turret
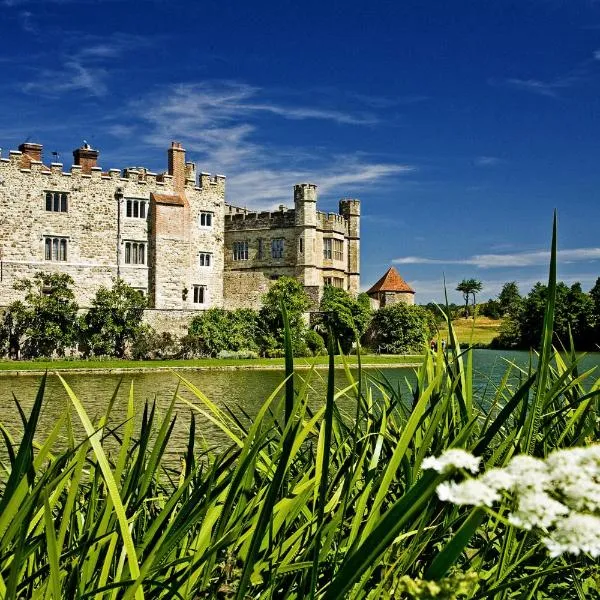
point(305, 217)
point(350, 210)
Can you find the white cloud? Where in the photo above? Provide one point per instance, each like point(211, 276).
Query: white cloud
point(487, 161)
point(219, 122)
point(521, 259)
point(596, 54)
point(73, 76)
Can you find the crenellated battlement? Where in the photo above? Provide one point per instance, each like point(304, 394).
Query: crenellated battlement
point(27, 160)
point(244, 219)
point(332, 222)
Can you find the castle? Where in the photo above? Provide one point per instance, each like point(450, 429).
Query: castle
point(170, 235)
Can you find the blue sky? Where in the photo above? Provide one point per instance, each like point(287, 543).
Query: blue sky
point(461, 125)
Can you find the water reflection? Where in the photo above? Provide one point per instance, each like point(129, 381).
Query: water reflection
point(240, 391)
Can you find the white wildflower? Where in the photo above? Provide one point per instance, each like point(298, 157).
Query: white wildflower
point(528, 473)
point(537, 509)
point(498, 479)
point(574, 534)
point(575, 473)
point(471, 492)
point(452, 459)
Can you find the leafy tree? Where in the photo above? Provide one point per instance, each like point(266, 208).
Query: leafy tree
point(581, 317)
point(345, 316)
point(216, 330)
point(400, 328)
point(113, 321)
point(469, 287)
point(510, 299)
point(13, 327)
point(289, 292)
point(491, 309)
point(45, 323)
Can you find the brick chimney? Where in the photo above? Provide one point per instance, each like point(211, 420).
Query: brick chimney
point(86, 157)
point(177, 166)
point(31, 152)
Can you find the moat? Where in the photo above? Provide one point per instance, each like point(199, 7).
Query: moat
point(241, 391)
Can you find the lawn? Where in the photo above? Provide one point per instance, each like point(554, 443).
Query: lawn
point(202, 363)
point(482, 330)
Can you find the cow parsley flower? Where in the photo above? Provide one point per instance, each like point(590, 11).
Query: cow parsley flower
point(498, 479)
point(451, 460)
point(528, 473)
point(471, 492)
point(537, 509)
point(575, 473)
point(575, 534)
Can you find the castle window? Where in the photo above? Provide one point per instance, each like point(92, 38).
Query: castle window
point(277, 248)
point(338, 250)
point(337, 282)
point(259, 253)
point(205, 219)
point(55, 248)
point(135, 208)
point(327, 248)
point(135, 253)
point(240, 250)
point(56, 201)
point(205, 259)
point(199, 294)
point(301, 246)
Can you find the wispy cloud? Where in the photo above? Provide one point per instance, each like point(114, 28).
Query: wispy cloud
point(85, 69)
point(220, 124)
point(521, 259)
point(488, 161)
point(543, 88)
point(72, 76)
point(552, 87)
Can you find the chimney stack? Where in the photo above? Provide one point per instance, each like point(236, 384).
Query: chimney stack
point(31, 153)
point(86, 157)
point(177, 166)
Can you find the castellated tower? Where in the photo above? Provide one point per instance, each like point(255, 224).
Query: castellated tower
point(350, 210)
point(305, 218)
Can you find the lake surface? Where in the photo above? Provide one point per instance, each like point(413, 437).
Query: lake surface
point(233, 389)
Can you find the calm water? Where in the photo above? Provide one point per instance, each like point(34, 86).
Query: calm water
point(245, 389)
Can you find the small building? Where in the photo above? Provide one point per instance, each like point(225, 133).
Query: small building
point(391, 289)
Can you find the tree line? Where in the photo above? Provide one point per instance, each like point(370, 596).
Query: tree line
point(47, 322)
point(577, 316)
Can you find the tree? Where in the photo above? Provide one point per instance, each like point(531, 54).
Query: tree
point(346, 317)
point(400, 328)
point(113, 321)
point(289, 292)
point(469, 287)
point(45, 323)
point(510, 299)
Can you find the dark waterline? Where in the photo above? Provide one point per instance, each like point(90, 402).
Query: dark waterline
point(240, 391)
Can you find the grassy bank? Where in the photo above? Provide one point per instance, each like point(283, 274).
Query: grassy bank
point(480, 331)
point(202, 363)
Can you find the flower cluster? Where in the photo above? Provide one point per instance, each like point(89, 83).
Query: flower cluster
point(559, 495)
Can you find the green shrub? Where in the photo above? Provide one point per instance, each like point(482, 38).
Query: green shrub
point(315, 343)
point(218, 330)
point(400, 328)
